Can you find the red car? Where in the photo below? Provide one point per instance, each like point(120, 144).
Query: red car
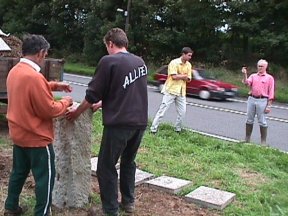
point(200, 85)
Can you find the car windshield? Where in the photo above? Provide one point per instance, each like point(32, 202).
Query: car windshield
point(200, 75)
point(196, 75)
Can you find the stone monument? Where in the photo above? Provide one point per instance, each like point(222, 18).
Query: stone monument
point(72, 147)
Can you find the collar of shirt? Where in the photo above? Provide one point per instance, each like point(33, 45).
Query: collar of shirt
point(31, 63)
point(124, 52)
point(179, 61)
point(261, 74)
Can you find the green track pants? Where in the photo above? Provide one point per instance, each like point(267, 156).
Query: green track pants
point(41, 162)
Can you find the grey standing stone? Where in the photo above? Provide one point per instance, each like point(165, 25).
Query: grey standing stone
point(72, 147)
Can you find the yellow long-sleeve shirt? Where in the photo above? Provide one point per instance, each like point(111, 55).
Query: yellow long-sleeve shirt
point(31, 107)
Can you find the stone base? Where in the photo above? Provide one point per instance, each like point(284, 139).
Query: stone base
point(210, 197)
point(94, 162)
point(140, 176)
point(169, 184)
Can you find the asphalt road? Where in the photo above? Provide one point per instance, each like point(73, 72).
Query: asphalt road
point(223, 119)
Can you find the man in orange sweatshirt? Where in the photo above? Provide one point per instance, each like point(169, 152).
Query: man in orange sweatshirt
point(31, 109)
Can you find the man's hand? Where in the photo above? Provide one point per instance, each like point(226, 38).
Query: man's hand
point(69, 99)
point(244, 70)
point(268, 107)
point(180, 77)
point(72, 114)
point(96, 106)
point(267, 110)
point(62, 86)
point(185, 77)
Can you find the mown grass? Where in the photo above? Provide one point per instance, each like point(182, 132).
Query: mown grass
point(257, 175)
point(235, 77)
point(78, 68)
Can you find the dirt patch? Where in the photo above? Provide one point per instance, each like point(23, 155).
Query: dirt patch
point(252, 178)
point(148, 201)
point(3, 127)
point(5, 166)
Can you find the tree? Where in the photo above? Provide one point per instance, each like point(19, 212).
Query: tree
point(18, 17)
point(220, 32)
point(257, 29)
point(203, 21)
point(66, 27)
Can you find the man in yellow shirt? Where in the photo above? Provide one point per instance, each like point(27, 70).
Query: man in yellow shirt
point(179, 72)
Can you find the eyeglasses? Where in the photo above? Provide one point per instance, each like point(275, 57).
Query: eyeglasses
point(260, 65)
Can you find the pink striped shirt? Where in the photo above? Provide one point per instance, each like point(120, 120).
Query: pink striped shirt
point(261, 85)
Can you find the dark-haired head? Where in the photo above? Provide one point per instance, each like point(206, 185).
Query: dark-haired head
point(186, 50)
point(33, 44)
point(117, 36)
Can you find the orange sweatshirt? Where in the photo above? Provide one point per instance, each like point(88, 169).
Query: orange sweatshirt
point(31, 107)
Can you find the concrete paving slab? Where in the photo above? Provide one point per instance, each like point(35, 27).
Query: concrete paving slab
point(210, 197)
point(169, 184)
point(94, 162)
point(140, 176)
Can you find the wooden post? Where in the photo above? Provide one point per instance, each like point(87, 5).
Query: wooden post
point(127, 16)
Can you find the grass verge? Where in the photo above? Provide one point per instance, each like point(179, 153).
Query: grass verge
point(78, 68)
point(257, 175)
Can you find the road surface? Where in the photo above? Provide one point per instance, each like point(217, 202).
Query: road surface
point(223, 119)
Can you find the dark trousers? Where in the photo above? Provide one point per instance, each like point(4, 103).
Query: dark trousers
point(41, 162)
point(117, 142)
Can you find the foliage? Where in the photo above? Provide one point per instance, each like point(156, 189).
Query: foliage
point(20, 17)
point(227, 33)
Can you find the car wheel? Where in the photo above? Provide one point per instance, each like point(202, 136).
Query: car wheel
point(160, 87)
point(204, 94)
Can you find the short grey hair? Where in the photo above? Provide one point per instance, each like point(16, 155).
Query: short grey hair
point(262, 61)
point(33, 44)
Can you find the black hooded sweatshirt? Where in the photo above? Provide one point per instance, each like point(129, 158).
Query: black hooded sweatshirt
point(120, 81)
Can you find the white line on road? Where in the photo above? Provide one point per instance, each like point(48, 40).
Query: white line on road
point(213, 135)
point(78, 76)
point(199, 105)
point(203, 106)
point(236, 100)
point(244, 101)
point(232, 111)
point(76, 83)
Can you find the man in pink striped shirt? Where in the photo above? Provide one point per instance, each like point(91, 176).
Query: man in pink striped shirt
point(260, 98)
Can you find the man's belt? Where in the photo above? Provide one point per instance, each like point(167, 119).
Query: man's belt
point(258, 97)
